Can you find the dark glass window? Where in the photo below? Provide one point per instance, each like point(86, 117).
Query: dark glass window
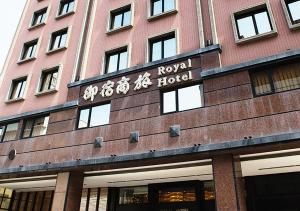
point(94, 116)
point(18, 88)
point(278, 79)
point(66, 6)
point(29, 50)
point(117, 60)
point(253, 23)
point(8, 132)
point(120, 18)
point(49, 80)
point(39, 17)
point(35, 127)
point(163, 47)
point(59, 39)
point(133, 195)
point(161, 6)
point(5, 198)
point(182, 99)
point(293, 7)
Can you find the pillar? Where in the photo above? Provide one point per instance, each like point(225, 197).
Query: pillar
point(229, 185)
point(68, 189)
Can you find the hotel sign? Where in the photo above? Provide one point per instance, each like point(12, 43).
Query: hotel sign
point(167, 75)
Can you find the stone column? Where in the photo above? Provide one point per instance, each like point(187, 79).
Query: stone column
point(68, 189)
point(229, 185)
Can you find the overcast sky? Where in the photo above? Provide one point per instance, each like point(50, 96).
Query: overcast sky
point(10, 13)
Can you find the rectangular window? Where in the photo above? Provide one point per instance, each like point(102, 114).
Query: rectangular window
point(35, 127)
point(9, 132)
point(162, 47)
point(133, 195)
point(29, 50)
point(120, 18)
point(39, 17)
point(253, 23)
point(58, 39)
point(116, 60)
point(293, 7)
point(18, 89)
point(276, 80)
point(94, 116)
point(5, 198)
point(182, 99)
point(49, 80)
point(90, 199)
point(161, 6)
point(66, 6)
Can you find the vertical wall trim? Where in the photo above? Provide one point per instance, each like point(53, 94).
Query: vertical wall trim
point(12, 46)
point(213, 22)
point(200, 24)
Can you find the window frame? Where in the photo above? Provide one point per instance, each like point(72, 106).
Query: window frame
point(60, 9)
point(5, 128)
point(90, 107)
point(251, 11)
point(25, 49)
point(164, 13)
point(121, 10)
point(52, 40)
point(162, 103)
point(32, 25)
point(116, 51)
point(13, 83)
point(42, 77)
point(161, 38)
point(288, 16)
point(33, 119)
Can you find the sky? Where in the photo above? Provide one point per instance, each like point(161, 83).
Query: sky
point(10, 13)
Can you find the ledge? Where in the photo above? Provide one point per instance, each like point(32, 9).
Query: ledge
point(64, 15)
point(36, 26)
point(275, 139)
point(26, 60)
point(145, 66)
point(64, 106)
point(14, 100)
point(47, 92)
point(256, 37)
point(291, 54)
point(161, 15)
point(120, 29)
point(56, 50)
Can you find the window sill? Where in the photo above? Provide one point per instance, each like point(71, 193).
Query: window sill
point(36, 26)
point(56, 50)
point(47, 92)
point(26, 60)
point(257, 37)
point(161, 15)
point(123, 28)
point(14, 100)
point(64, 15)
point(294, 26)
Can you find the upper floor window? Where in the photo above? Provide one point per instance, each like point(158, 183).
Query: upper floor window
point(39, 17)
point(35, 127)
point(18, 89)
point(116, 60)
point(94, 116)
point(66, 6)
point(120, 18)
point(29, 50)
point(161, 6)
point(162, 47)
point(9, 132)
point(274, 80)
point(253, 23)
point(293, 7)
point(58, 39)
point(48, 80)
point(182, 99)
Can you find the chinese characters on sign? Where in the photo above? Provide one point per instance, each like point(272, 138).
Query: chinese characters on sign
point(142, 82)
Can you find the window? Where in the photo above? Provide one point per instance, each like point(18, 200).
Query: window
point(18, 89)
point(161, 6)
point(253, 23)
point(35, 127)
point(90, 199)
point(163, 47)
point(291, 9)
point(133, 195)
point(29, 50)
point(66, 6)
point(94, 116)
point(39, 17)
point(49, 80)
point(58, 39)
point(182, 99)
point(120, 18)
point(116, 60)
point(5, 198)
point(276, 80)
point(9, 132)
